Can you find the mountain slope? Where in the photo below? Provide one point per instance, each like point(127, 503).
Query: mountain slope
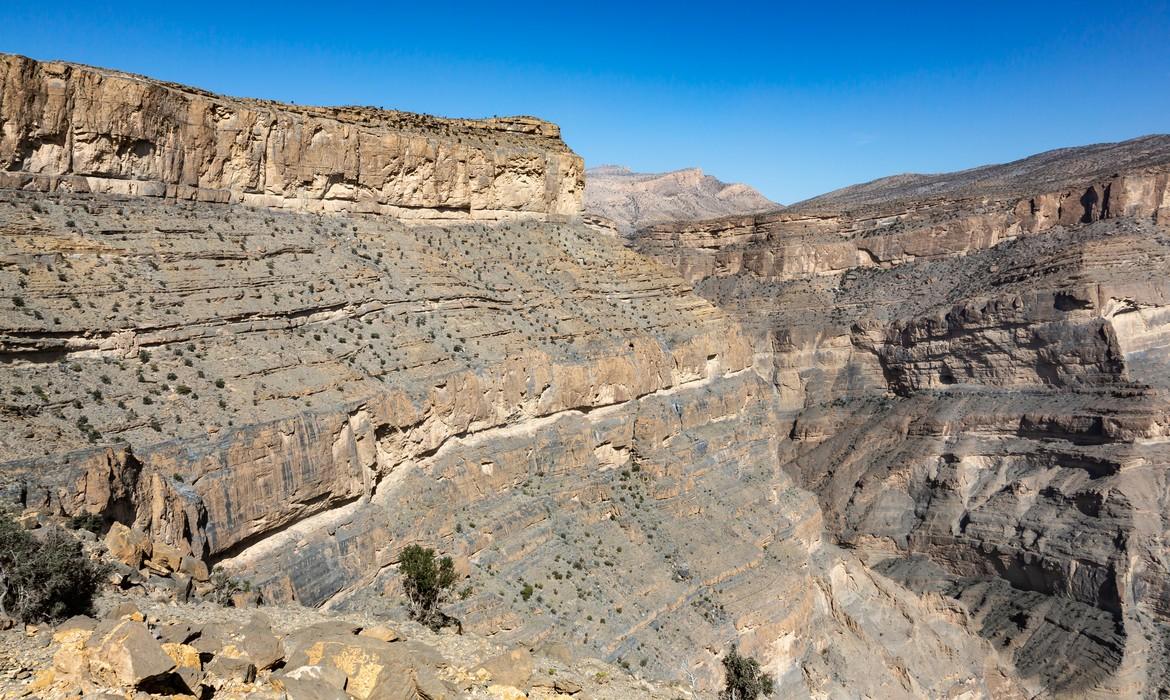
point(973, 376)
point(632, 199)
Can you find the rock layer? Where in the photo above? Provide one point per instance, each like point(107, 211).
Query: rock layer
point(972, 369)
point(75, 128)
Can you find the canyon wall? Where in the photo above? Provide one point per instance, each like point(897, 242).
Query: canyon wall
point(254, 359)
point(972, 370)
point(76, 128)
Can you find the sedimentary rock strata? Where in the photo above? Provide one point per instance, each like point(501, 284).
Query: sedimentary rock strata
point(81, 129)
point(972, 369)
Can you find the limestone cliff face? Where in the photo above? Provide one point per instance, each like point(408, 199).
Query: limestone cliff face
point(81, 129)
point(972, 369)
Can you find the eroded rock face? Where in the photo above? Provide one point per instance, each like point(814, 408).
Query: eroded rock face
point(972, 369)
point(81, 129)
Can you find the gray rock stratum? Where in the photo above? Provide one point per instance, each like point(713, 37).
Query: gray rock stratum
point(631, 200)
point(973, 379)
point(259, 358)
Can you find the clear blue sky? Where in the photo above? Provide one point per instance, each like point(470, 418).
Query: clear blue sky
point(795, 100)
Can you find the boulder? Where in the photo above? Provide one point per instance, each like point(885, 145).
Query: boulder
point(178, 632)
point(252, 641)
point(313, 683)
point(382, 632)
point(123, 653)
point(126, 611)
point(195, 568)
point(567, 686)
point(512, 668)
point(245, 599)
point(188, 665)
point(308, 689)
point(77, 622)
point(166, 556)
point(506, 692)
point(374, 670)
point(71, 658)
point(260, 644)
point(129, 546)
point(231, 669)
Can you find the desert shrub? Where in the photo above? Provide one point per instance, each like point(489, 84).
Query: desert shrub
point(745, 680)
point(224, 586)
point(426, 580)
point(87, 521)
point(45, 578)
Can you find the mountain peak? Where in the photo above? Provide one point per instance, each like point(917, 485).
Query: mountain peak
point(631, 199)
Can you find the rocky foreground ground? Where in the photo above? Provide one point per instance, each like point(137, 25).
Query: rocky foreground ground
point(159, 631)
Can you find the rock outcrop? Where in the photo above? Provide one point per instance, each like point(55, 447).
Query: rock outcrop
point(972, 371)
point(66, 127)
point(632, 200)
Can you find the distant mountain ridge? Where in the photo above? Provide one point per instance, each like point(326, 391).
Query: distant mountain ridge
point(631, 199)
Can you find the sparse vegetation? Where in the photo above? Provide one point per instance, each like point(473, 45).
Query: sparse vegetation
point(225, 586)
point(744, 679)
point(44, 578)
point(426, 580)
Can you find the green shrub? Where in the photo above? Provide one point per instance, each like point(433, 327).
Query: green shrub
point(87, 521)
point(426, 581)
point(224, 586)
point(45, 578)
point(744, 679)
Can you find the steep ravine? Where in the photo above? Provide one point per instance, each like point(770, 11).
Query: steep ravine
point(972, 369)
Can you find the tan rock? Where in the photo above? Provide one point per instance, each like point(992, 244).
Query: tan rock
point(567, 686)
point(308, 688)
point(382, 632)
point(166, 556)
point(131, 547)
point(188, 665)
point(124, 653)
point(231, 669)
point(269, 154)
point(195, 568)
point(506, 692)
point(512, 668)
point(374, 669)
point(126, 611)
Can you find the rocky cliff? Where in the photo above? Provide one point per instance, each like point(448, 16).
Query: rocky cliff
point(632, 200)
point(972, 371)
point(80, 129)
point(294, 396)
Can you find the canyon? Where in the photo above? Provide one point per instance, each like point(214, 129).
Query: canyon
point(902, 440)
point(971, 369)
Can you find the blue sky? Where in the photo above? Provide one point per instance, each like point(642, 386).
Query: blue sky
point(795, 100)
